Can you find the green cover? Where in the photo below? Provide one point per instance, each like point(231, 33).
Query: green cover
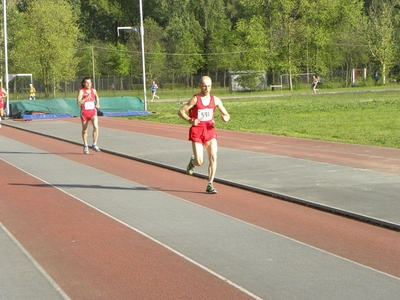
point(69, 106)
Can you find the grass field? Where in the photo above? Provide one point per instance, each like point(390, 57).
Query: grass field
point(361, 117)
point(368, 116)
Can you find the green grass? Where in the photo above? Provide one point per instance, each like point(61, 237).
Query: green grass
point(368, 118)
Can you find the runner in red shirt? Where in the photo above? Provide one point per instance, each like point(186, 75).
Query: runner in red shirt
point(202, 133)
point(89, 102)
point(3, 95)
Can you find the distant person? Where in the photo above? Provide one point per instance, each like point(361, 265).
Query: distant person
point(154, 88)
point(202, 133)
point(32, 92)
point(89, 102)
point(314, 84)
point(3, 96)
point(376, 77)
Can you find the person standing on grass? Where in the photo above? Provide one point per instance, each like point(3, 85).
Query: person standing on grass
point(314, 84)
point(154, 88)
point(89, 102)
point(32, 92)
point(202, 133)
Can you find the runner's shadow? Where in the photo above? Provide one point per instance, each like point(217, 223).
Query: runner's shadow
point(104, 187)
point(41, 153)
point(85, 186)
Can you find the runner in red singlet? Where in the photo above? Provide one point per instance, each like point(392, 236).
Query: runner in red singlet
point(3, 95)
point(202, 133)
point(89, 102)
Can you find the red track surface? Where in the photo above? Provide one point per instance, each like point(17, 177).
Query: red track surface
point(93, 256)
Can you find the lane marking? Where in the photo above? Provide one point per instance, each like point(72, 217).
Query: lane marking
point(35, 263)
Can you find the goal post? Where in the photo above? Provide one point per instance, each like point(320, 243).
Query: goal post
point(11, 77)
point(358, 74)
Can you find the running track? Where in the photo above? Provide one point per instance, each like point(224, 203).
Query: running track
point(90, 255)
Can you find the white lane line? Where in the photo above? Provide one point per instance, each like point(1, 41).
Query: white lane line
point(136, 230)
point(36, 264)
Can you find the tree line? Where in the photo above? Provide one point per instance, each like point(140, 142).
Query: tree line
point(59, 40)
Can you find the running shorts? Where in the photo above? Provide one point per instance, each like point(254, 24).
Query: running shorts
point(202, 134)
point(87, 115)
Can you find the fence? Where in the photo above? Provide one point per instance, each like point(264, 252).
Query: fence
point(19, 86)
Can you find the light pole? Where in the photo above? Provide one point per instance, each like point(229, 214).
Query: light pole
point(140, 30)
point(6, 55)
point(94, 75)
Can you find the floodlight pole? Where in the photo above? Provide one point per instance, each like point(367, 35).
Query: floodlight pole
point(6, 55)
point(140, 30)
point(94, 75)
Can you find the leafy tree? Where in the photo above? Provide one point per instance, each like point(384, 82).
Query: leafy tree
point(211, 17)
point(183, 39)
point(347, 48)
point(155, 55)
point(254, 55)
point(334, 33)
point(100, 18)
point(223, 49)
point(44, 45)
point(118, 61)
point(289, 37)
point(380, 35)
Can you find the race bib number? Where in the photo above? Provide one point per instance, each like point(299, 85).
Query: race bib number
point(205, 114)
point(89, 105)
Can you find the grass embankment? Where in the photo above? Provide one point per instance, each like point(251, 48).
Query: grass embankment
point(369, 118)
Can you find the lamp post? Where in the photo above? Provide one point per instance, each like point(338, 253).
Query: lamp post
point(6, 55)
point(94, 75)
point(140, 30)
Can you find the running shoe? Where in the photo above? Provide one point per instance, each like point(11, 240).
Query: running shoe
point(86, 150)
point(96, 148)
point(210, 189)
point(190, 166)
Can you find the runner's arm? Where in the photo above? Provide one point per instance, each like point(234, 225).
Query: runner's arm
point(185, 108)
point(97, 99)
point(224, 113)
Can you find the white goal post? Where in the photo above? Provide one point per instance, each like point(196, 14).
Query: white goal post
point(11, 77)
point(356, 74)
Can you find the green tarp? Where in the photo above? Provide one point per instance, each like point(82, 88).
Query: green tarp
point(68, 106)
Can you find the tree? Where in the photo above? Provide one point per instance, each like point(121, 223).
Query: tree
point(153, 43)
point(253, 46)
point(334, 35)
point(223, 49)
point(380, 35)
point(183, 39)
point(44, 45)
point(118, 61)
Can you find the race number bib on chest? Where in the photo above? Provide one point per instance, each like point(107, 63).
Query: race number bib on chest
point(205, 114)
point(89, 105)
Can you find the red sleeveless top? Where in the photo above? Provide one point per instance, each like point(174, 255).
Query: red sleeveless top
point(89, 104)
point(204, 113)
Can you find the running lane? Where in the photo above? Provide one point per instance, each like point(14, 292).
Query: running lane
point(88, 254)
point(57, 230)
point(357, 156)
